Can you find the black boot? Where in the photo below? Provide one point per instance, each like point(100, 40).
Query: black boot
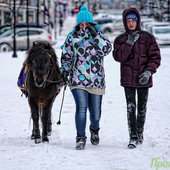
point(133, 142)
point(140, 135)
point(140, 138)
point(94, 136)
point(80, 142)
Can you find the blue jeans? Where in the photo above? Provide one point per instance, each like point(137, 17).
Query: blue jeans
point(84, 100)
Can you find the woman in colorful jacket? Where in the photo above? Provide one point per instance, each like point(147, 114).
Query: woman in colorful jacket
point(139, 55)
point(82, 61)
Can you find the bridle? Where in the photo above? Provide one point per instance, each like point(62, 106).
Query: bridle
point(46, 80)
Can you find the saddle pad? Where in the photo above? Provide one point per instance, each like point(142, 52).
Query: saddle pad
point(22, 77)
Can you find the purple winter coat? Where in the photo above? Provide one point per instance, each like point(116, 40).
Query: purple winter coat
point(135, 59)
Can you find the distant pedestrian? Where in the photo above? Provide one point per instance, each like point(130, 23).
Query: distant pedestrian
point(61, 20)
point(139, 56)
point(83, 61)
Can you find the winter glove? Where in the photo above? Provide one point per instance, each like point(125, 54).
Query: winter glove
point(132, 37)
point(92, 30)
point(144, 77)
point(83, 33)
point(64, 76)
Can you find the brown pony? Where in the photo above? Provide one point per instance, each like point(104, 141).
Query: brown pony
point(42, 86)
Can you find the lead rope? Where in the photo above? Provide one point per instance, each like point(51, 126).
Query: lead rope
point(59, 122)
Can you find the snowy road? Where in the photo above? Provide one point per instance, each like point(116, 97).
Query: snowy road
point(18, 152)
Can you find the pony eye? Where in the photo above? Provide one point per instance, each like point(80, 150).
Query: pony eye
point(33, 62)
point(46, 60)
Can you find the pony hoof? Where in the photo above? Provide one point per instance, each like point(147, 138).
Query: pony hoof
point(45, 139)
point(38, 140)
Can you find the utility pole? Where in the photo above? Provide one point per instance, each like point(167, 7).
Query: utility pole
point(14, 24)
point(49, 23)
point(169, 10)
point(28, 41)
point(88, 5)
point(38, 11)
point(55, 19)
point(44, 11)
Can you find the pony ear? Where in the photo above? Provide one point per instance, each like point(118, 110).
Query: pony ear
point(47, 45)
point(35, 43)
point(38, 42)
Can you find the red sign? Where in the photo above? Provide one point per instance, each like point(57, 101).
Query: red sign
point(76, 10)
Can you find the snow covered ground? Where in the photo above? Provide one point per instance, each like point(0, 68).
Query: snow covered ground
point(18, 152)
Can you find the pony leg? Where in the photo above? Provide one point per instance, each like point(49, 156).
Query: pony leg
point(34, 133)
point(46, 121)
point(35, 117)
point(49, 125)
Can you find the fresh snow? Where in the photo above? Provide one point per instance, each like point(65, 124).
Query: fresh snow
point(19, 152)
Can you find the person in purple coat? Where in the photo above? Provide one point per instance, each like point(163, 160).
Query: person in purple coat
point(139, 56)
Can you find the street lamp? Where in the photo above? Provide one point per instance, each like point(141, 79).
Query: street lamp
point(55, 19)
point(44, 11)
point(49, 23)
point(14, 25)
point(169, 10)
point(28, 41)
point(38, 2)
point(88, 4)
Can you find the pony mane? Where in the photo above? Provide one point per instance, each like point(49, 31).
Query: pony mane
point(40, 47)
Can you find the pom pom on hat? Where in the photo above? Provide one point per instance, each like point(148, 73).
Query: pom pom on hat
point(84, 16)
point(84, 8)
point(133, 16)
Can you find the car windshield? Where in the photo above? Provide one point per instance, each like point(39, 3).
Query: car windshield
point(104, 21)
point(162, 31)
point(7, 33)
point(2, 30)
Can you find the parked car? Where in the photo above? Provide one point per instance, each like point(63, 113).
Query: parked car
point(101, 19)
point(4, 28)
point(31, 25)
point(7, 27)
point(145, 21)
point(6, 39)
point(115, 26)
point(148, 27)
point(162, 34)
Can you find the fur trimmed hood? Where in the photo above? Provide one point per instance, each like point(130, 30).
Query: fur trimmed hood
point(126, 12)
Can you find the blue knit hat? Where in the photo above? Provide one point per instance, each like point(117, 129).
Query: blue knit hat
point(84, 16)
point(133, 16)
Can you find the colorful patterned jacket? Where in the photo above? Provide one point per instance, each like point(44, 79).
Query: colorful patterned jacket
point(82, 57)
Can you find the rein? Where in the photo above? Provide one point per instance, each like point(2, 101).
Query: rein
point(50, 81)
